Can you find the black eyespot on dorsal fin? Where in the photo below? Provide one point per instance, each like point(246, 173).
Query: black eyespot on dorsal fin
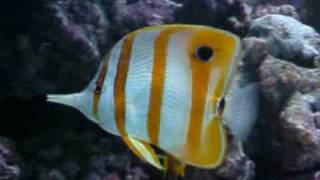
point(98, 89)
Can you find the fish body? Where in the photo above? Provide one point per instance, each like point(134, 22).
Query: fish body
point(164, 86)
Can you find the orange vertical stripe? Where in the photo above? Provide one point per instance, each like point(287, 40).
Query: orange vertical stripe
point(201, 73)
point(157, 83)
point(200, 81)
point(100, 82)
point(120, 82)
point(205, 144)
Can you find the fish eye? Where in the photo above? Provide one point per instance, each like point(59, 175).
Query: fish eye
point(204, 53)
point(221, 106)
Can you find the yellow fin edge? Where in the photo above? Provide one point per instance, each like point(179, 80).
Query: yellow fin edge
point(144, 151)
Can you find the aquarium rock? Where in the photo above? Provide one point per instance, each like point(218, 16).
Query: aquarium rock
point(308, 10)
point(59, 48)
point(234, 14)
point(288, 38)
point(265, 9)
point(237, 165)
point(75, 36)
point(301, 136)
point(294, 93)
point(296, 3)
point(255, 52)
point(9, 161)
point(51, 174)
point(81, 28)
point(127, 16)
point(282, 79)
point(86, 154)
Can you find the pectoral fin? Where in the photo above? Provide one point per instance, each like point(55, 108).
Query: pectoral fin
point(144, 151)
point(241, 112)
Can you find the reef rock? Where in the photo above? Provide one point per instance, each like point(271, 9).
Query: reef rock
point(74, 42)
point(9, 161)
point(294, 93)
point(81, 26)
point(287, 38)
point(237, 165)
point(231, 14)
point(300, 131)
point(63, 42)
point(281, 79)
point(265, 9)
point(85, 152)
point(289, 122)
point(255, 52)
point(130, 15)
point(308, 10)
point(58, 48)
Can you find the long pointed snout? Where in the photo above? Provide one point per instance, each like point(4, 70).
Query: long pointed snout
point(81, 101)
point(73, 100)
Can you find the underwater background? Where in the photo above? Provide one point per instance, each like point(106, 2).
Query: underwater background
point(55, 46)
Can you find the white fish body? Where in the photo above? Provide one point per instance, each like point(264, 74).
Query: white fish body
point(162, 85)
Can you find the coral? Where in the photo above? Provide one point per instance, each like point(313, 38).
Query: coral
point(278, 2)
point(281, 79)
point(293, 94)
point(255, 52)
point(307, 9)
point(300, 132)
point(288, 125)
point(126, 16)
point(74, 40)
point(65, 40)
point(59, 49)
point(84, 152)
point(9, 161)
point(287, 38)
point(237, 165)
point(265, 9)
point(231, 14)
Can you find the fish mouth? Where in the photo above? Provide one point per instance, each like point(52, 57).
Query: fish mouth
point(79, 101)
point(67, 99)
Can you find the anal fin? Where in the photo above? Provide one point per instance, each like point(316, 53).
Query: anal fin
point(144, 151)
